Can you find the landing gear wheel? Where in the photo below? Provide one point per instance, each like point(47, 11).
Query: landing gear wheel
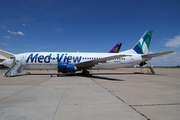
point(85, 72)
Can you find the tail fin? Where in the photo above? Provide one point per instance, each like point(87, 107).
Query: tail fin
point(142, 46)
point(116, 48)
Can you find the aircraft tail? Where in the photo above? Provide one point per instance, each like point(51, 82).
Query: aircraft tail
point(142, 46)
point(116, 48)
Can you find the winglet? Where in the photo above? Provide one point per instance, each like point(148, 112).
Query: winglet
point(116, 48)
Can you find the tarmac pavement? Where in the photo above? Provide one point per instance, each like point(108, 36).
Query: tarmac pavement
point(104, 95)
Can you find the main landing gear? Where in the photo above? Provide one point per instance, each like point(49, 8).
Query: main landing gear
point(85, 72)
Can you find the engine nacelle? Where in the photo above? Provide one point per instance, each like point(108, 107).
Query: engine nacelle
point(65, 68)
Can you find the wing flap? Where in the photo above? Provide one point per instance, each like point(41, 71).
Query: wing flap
point(91, 63)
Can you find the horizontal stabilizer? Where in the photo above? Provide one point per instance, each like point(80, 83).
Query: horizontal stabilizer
point(157, 54)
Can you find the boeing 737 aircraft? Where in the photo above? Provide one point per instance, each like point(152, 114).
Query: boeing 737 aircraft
point(70, 62)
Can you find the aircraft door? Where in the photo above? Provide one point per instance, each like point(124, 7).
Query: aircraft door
point(23, 59)
point(131, 60)
point(13, 60)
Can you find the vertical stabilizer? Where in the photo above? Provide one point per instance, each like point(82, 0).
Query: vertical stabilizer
point(142, 46)
point(116, 48)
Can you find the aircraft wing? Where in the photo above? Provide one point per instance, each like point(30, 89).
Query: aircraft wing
point(91, 63)
point(6, 54)
point(157, 54)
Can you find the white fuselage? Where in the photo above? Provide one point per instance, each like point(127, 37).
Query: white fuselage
point(49, 60)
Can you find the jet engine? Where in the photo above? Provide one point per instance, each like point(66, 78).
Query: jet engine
point(66, 68)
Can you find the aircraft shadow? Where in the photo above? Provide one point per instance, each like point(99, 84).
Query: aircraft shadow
point(80, 74)
point(93, 75)
point(117, 73)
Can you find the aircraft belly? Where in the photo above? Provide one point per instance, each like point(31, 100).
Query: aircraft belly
point(112, 65)
point(41, 67)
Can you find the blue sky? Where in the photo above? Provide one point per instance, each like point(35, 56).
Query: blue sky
point(90, 26)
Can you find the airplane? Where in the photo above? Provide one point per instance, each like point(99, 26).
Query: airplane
point(6, 55)
point(116, 48)
point(71, 62)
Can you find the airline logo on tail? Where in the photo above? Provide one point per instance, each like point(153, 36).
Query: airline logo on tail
point(116, 48)
point(143, 44)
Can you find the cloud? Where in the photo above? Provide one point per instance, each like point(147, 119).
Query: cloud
point(6, 37)
point(150, 52)
point(25, 25)
point(169, 59)
point(11, 32)
point(19, 32)
point(174, 42)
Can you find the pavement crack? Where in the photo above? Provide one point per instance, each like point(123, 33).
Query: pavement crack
point(139, 112)
point(60, 101)
point(24, 89)
point(156, 104)
point(122, 100)
point(108, 91)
